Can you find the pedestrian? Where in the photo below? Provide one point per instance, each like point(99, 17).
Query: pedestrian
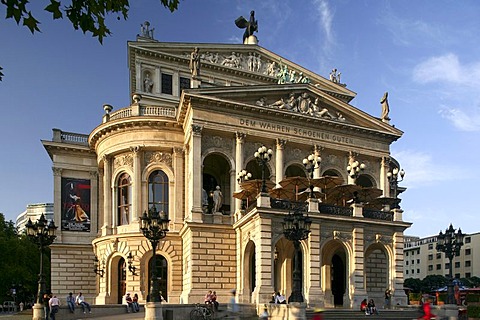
point(46, 306)
point(233, 306)
point(54, 304)
point(129, 301)
point(388, 298)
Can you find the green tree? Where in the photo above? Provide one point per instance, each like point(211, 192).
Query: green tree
point(19, 264)
point(414, 284)
point(86, 15)
point(433, 282)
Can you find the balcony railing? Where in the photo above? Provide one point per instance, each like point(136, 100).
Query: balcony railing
point(378, 215)
point(70, 137)
point(132, 111)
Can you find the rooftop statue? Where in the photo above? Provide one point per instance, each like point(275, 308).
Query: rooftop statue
point(385, 107)
point(145, 30)
point(250, 26)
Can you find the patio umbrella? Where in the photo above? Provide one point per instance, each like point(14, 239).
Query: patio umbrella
point(368, 194)
point(327, 182)
point(304, 195)
point(245, 195)
point(295, 183)
point(256, 185)
point(282, 193)
point(380, 202)
point(339, 195)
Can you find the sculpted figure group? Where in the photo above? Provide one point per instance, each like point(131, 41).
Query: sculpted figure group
point(302, 104)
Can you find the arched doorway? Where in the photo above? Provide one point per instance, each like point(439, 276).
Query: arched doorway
point(122, 280)
point(249, 271)
point(338, 279)
point(334, 273)
point(216, 172)
point(365, 181)
point(162, 274)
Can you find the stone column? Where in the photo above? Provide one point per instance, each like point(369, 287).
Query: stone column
point(195, 172)
point(239, 150)
point(279, 160)
point(384, 184)
point(358, 275)
point(94, 218)
point(396, 272)
point(107, 195)
point(264, 259)
point(314, 293)
point(137, 183)
point(178, 168)
point(57, 199)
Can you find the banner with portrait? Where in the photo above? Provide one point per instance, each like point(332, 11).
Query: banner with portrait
point(75, 204)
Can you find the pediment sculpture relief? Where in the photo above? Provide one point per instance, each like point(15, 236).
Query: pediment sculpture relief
point(302, 103)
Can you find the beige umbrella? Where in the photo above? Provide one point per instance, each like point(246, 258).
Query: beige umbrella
point(368, 194)
point(304, 195)
point(245, 195)
point(327, 182)
point(256, 185)
point(282, 193)
point(339, 195)
point(295, 183)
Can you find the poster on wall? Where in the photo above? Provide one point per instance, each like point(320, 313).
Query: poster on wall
point(75, 204)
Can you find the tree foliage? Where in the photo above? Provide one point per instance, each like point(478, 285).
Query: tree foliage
point(19, 264)
point(86, 15)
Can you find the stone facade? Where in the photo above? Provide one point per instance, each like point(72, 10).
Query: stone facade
point(179, 139)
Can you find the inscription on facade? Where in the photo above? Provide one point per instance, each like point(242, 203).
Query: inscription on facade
point(251, 123)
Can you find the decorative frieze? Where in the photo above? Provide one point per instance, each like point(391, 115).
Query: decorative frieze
point(123, 160)
point(216, 142)
point(158, 157)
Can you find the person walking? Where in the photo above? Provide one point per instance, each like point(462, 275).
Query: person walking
point(54, 304)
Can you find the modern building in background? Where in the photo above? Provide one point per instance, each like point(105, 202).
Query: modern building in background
point(421, 258)
point(199, 112)
point(33, 212)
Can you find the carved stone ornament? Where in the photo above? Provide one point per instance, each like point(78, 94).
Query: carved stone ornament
point(330, 159)
point(240, 136)
point(57, 171)
point(216, 142)
point(123, 160)
point(339, 235)
point(197, 130)
point(277, 228)
point(115, 244)
point(159, 157)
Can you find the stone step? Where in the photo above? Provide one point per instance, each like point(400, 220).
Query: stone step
point(345, 314)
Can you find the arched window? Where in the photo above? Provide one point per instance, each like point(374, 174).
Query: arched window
point(124, 199)
point(158, 191)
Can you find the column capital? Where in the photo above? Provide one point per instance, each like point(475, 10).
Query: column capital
point(57, 171)
point(240, 136)
point(197, 130)
point(178, 151)
point(318, 148)
point(106, 158)
point(136, 149)
point(93, 174)
point(281, 143)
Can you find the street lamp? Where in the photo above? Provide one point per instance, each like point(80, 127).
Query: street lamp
point(43, 235)
point(263, 155)
point(154, 227)
point(450, 243)
point(311, 163)
point(296, 227)
point(131, 267)
point(243, 176)
point(354, 167)
point(99, 267)
point(394, 177)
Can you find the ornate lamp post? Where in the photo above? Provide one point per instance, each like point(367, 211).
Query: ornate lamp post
point(243, 176)
point(296, 227)
point(311, 163)
point(43, 235)
point(450, 243)
point(354, 167)
point(154, 227)
point(263, 155)
point(394, 177)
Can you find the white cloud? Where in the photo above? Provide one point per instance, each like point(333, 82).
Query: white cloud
point(325, 19)
point(422, 170)
point(458, 84)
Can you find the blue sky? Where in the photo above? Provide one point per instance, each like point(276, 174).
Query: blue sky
point(426, 54)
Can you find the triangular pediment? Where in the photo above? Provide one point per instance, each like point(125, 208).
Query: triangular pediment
point(245, 64)
point(302, 102)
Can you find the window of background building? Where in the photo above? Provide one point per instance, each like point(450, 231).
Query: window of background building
point(430, 257)
point(447, 265)
point(418, 270)
point(457, 275)
point(413, 261)
point(439, 256)
point(468, 263)
point(418, 251)
point(413, 271)
point(439, 266)
point(406, 271)
point(167, 83)
point(468, 252)
point(430, 246)
point(468, 239)
point(406, 262)
point(406, 253)
point(430, 267)
point(418, 261)
point(457, 264)
point(468, 275)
